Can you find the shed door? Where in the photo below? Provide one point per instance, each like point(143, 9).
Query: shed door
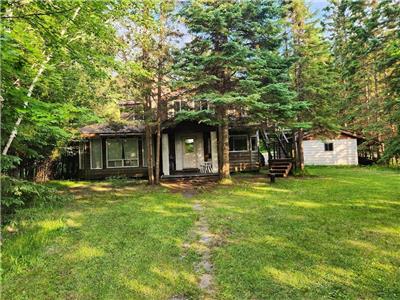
point(189, 152)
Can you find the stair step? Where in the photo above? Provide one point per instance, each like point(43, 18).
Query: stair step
point(278, 170)
point(279, 174)
point(278, 167)
point(282, 160)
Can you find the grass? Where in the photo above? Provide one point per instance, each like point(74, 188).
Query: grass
point(112, 242)
point(335, 234)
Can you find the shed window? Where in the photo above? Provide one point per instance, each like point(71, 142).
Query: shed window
point(238, 143)
point(254, 146)
point(96, 161)
point(328, 146)
point(122, 153)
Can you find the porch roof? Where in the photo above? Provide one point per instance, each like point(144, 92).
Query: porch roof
point(111, 129)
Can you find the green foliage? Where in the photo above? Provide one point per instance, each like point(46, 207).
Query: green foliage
point(365, 42)
point(9, 162)
point(233, 59)
point(313, 75)
point(81, 56)
point(17, 194)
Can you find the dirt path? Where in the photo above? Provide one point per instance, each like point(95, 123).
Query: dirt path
point(205, 240)
point(201, 241)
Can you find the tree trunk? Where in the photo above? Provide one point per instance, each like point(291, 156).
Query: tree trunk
point(149, 148)
point(158, 153)
point(224, 172)
point(44, 172)
point(300, 151)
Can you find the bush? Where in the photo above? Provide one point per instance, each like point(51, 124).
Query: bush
point(8, 162)
point(17, 194)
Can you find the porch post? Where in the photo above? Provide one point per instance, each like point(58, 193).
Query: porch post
point(165, 154)
point(214, 151)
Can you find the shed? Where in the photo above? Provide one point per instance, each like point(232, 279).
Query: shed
point(340, 149)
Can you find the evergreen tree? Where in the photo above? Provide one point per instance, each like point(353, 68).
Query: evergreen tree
point(149, 34)
point(312, 74)
point(233, 63)
point(365, 37)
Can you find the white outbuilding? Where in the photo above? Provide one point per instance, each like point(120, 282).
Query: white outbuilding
point(339, 150)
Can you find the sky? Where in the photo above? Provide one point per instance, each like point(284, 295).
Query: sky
point(318, 4)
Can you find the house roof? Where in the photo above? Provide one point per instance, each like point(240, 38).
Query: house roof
point(111, 128)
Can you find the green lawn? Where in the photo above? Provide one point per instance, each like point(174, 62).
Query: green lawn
point(121, 242)
point(333, 235)
point(336, 235)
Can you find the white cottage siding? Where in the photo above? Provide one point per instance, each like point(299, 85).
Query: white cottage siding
point(344, 152)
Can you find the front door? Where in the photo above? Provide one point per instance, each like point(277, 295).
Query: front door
point(189, 152)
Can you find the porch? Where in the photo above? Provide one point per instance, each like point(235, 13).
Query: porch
point(189, 150)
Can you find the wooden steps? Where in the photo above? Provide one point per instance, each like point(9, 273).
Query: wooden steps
point(280, 167)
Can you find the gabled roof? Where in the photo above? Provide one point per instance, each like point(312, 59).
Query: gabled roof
point(333, 135)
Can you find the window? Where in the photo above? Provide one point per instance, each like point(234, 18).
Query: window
point(328, 146)
point(254, 146)
point(144, 152)
point(96, 161)
point(81, 152)
point(238, 143)
point(122, 153)
point(189, 145)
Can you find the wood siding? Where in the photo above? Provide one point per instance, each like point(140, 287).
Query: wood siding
point(132, 172)
point(344, 152)
point(244, 161)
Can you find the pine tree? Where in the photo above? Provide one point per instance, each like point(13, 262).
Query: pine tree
point(233, 63)
point(313, 76)
point(149, 33)
point(365, 36)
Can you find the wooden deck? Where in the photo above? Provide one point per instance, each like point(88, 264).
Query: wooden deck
point(190, 176)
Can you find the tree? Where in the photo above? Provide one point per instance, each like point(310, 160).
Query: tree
point(365, 36)
point(313, 76)
point(54, 56)
point(233, 63)
point(149, 35)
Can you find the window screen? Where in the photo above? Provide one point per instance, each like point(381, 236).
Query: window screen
point(328, 146)
point(238, 143)
point(96, 154)
point(122, 153)
point(131, 153)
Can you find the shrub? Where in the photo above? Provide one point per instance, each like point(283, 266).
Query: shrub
point(17, 194)
point(8, 162)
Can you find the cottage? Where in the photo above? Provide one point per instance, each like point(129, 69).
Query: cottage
point(187, 148)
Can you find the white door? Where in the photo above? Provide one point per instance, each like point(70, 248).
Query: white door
point(189, 152)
